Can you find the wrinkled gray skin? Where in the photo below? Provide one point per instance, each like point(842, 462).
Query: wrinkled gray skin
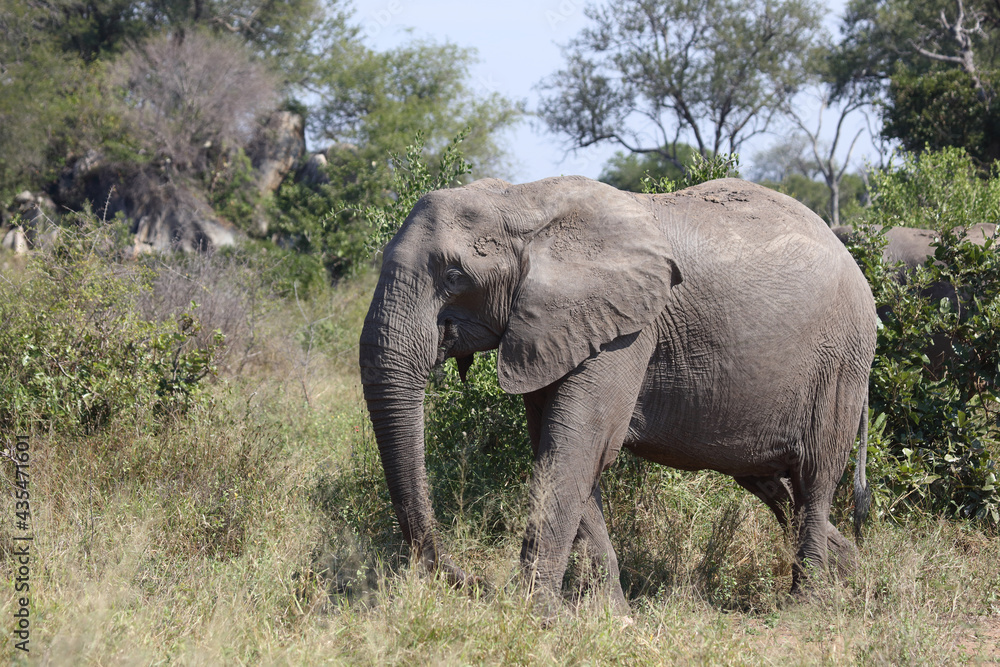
point(720, 327)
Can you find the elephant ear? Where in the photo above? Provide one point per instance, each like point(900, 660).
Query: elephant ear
point(596, 270)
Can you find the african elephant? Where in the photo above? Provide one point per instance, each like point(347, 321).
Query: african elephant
point(911, 247)
point(720, 327)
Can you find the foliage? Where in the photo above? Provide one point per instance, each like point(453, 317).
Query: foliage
point(882, 37)
point(75, 355)
point(942, 109)
point(701, 169)
point(934, 190)
point(129, 83)
point(95, 29)
point(794, 167)
point(934, 436)
point(46, 96)
point(711, 73)
point(378, 101)
point(232, 188)
point(478, 453)
point(625, 171)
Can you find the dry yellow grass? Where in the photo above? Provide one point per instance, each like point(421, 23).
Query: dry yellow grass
point(220, 540)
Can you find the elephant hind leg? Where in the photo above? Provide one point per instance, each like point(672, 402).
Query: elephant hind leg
point(826, 448)
point(820, 544)
point(843, 553)
point(775, 492)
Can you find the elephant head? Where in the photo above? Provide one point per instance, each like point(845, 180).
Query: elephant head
point(547, 272)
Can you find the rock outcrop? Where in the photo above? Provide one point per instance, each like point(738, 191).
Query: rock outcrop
point(165, 211)
point(31, 215)
point(15, 241)
point(277, 147)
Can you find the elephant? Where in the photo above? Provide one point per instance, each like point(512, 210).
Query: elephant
point(720, 327)
point(911, 247)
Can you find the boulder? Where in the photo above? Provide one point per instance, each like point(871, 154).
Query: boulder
point(169, 216)
point(33, 214)
point(276, 148)
point(313, 172)
point(15, 241)
point(165, 211)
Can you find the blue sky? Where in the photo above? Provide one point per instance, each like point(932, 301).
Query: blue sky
point(517, 46)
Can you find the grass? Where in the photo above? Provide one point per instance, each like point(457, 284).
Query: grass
point(256, 530)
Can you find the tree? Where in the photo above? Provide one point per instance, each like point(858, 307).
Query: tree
point(96, 29)
point(945, 109)
point(180, 98)
point(379, 101)
point(825, 155)
point(932, 66)
point(791, 166)
point(648, 74)
point(882, 36)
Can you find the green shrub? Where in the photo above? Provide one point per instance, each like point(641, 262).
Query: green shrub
point(322, 220)
point(478, 453)
point(232, 189)
point(700, 169)
point(934, 190)
point(74, 354)
point(934, 435)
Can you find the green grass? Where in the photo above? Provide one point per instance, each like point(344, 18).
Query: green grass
point(255, 529)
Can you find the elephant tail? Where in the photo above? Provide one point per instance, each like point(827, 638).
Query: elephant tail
point(862, 492)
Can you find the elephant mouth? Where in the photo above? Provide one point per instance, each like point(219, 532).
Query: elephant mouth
point(462, 342)
point(448, 338)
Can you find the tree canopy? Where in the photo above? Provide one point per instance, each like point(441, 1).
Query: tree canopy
point(713, 73)
point(186, 86)
point(932, 67)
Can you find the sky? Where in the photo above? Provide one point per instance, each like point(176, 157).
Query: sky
point(518, 45)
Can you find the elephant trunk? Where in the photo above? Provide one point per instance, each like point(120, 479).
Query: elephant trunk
point(396, 355)
point(398, 420)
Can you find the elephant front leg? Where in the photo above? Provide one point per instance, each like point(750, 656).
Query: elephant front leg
point(581, 429)
point(593, 545)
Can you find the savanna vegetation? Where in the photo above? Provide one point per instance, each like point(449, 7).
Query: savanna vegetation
point(204, 485)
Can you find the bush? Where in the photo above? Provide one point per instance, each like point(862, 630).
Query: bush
point(701, 169)
point(478, 452)
point(934, 190)
point(934, 435)
point(74, 354)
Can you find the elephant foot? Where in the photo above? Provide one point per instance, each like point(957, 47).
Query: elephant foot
point(459, 579)
point(547, 606)
point(843, 555)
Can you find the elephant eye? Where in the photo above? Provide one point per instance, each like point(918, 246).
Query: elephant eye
point(453, 277)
